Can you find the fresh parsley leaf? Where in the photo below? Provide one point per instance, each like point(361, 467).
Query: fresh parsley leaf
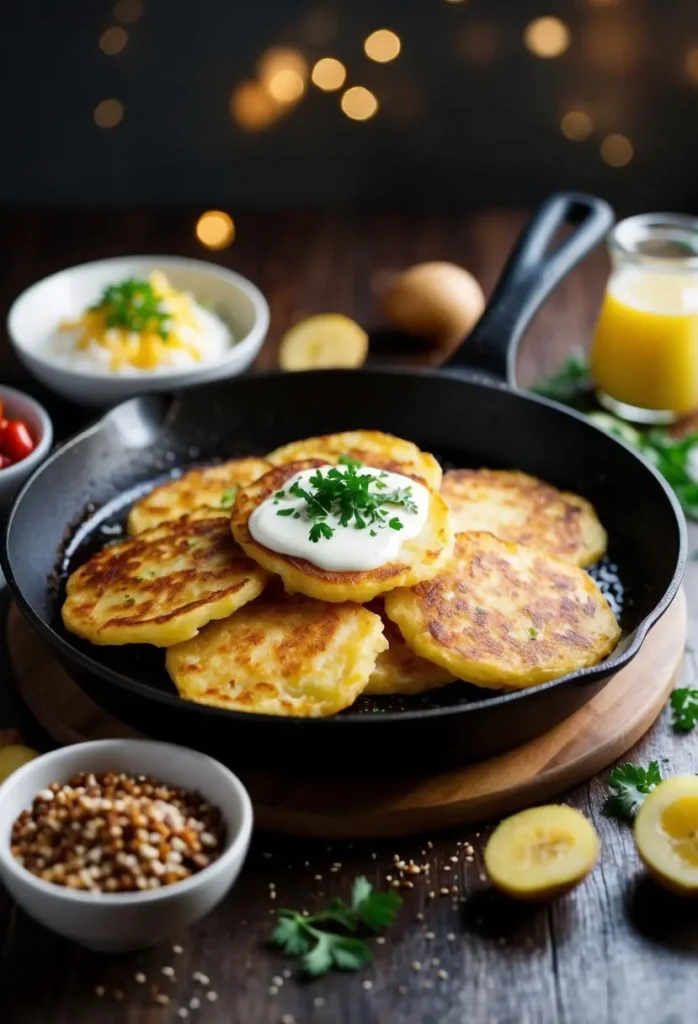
point(684, 705)
point(322, 948)
point(533, 632)
point(346, 460)
point(570, 384)
point(395, 523)
point(630, 784)
point(228, 497)
point(320, 530)
point(133, 306)
point(285, 512)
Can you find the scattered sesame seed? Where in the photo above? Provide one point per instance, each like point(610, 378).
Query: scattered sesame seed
point(416, 966)
point(373, 856)
point(272, 885)
point(306, 863)
point(435, 962)
point(272, 895)
point(177, 950)
point(388, 878)
point(454, 860)
point(444, 891)
point(431, 895)
point(408, 885)
point(118, 995)
point(182, 1012)
point(276, 980)
point(288, 1018)
point(162, 999)
point(381, 940)
point(334, 869)
point(451, 937)
point(442, 975)
point(194, 1003)
point(99, 990)
point(273, 990)
point(430, 845)
point(169, 972)
point(286, 973)
point(140, 978)
point(454, 888)
point(420, 916)
point(204, 979)
point(318, 878)
point(469, 858)
point(429, 935)
point(212, 996)
point(427, 984)
point(318, 1001)
point(367, 985)
point(447, 867)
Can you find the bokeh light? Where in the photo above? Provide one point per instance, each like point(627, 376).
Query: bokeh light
point(328, 74)
point(382, 45)
point(577, 125)
point(128, 11)
point(252, 108)
point(281, 58)
point(108, 113)
point(616, 150)
point(359, 103)
point(286, 86)
point(691, 65)
point(215, 229)
point(113, 40)
point(547, 37)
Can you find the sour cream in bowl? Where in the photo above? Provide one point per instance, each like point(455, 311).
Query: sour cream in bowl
point(103, 332)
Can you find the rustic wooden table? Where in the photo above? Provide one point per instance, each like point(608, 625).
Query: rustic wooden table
point(616, 951)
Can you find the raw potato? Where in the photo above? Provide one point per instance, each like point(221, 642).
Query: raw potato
point(13, 757)
point(439, 301)
point(666, 834)
point(541, 853)
point(326, 341)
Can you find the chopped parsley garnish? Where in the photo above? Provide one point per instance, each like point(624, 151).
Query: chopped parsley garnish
point(684, 706)
point(631, 784)
point(228, 497)
point(322, 949)
point(346, 495)
point(133, 306)
point(533, 632)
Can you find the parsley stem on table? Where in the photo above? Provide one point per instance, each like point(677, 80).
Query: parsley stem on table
point(630, 784)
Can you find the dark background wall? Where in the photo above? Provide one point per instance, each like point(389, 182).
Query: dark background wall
point(468, 115)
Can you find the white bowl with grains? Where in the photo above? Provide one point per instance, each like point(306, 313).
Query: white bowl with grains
point(102, 332)
point(118, 844)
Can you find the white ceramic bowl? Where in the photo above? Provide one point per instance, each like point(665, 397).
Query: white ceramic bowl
point(118, 922)
point(35, 314)
point(18, 406)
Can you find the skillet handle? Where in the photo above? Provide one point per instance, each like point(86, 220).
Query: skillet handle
point(529, 276)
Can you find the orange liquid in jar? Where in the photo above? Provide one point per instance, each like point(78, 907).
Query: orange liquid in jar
point(645, 346)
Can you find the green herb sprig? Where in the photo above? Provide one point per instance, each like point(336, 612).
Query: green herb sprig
point(322, 949)
point(631, 784)
point(684, 707)
point(346, 495)
point(133, 306)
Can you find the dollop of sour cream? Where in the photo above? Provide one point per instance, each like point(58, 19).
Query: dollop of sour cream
point(350, 548)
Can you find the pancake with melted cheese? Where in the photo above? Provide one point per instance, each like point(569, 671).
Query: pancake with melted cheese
point(370, 447)
point(281, 656)
point(162, 586)
point(519, 508)
point(505, 616)
point(212, 486)
point(419, 558)
point(399, 669)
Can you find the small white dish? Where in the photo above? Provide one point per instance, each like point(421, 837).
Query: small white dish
point(120, 922)
point(18, 406)
point(35, 315)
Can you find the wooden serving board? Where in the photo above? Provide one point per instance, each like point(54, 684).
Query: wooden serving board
point(352, 808)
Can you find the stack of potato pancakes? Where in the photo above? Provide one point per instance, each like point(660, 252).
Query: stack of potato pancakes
point(491, 591)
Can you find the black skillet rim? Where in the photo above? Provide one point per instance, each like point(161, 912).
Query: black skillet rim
point(608, 667)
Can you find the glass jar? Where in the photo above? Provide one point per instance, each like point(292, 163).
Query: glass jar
point(644, 352)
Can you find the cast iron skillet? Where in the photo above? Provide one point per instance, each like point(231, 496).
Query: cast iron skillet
point(467, 415)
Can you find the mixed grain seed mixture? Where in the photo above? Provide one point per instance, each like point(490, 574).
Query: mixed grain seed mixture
point(114, 832)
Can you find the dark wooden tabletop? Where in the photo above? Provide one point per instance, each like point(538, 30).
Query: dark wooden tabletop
point(616, 951)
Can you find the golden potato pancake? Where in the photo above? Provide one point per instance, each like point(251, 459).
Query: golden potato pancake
point(521, 509)
point(506, 616)
point(399, 669)
point(419, 558)
point(371, 447)
point(281, 656)
point(162, 586)
point(212, 486)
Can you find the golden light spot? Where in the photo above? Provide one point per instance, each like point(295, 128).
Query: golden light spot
point(454, 1)
point(359, 103)
point(128, 11)
point(113, 40)
point(328, 74)
point(576, 125)
point(108, 113)
point(215, 229)
point(382, 45)
point(547, 37)
point(252, 107)
point(691, 65)
point(281, 58)
point(286, 86)
point(616, 150)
